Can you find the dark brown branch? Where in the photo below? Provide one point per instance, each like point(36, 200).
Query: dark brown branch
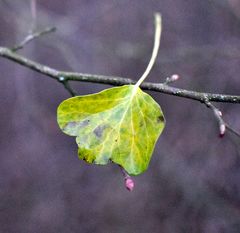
point(116, 81)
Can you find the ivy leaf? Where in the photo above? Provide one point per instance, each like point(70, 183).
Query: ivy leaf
point(120, 124)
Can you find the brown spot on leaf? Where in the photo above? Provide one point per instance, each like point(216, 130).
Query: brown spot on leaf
point(160, 119)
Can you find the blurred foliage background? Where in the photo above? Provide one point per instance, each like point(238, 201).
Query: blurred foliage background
point(192, 184)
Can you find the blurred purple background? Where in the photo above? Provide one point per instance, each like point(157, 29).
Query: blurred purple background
point(193, 181)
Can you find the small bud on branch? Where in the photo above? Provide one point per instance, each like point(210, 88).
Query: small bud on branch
point(171, 79)
point(129, 183)
point(218, 115)
point(222, 129)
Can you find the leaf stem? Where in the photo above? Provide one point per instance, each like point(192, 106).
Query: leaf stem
point(158, 29)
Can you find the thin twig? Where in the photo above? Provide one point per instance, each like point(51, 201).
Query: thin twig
point(31, 37)
point(116, 81)
point(222, 124)
point(218, 115)
point(232, 130)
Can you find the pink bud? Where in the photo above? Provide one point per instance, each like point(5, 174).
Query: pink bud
point(175, 77)
point(129, 184)
point(220, 113)
point(222, 129)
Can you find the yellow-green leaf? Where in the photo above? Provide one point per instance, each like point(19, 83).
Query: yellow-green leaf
point(120, 124)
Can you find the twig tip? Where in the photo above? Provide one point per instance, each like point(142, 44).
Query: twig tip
point(129, 184)
point(222, 129)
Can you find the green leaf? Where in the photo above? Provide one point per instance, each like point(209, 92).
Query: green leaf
point(120, 124)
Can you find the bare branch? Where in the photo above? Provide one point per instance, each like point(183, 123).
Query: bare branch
point(116, 81)
point(31, 37)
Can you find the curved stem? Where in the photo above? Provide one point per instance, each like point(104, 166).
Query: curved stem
point(158, 29)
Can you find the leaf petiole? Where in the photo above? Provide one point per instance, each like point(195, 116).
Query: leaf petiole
point(158, 29)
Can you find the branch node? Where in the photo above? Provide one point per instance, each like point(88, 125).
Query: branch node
point(206, 101)
point(62, 79)
point(65, 83)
